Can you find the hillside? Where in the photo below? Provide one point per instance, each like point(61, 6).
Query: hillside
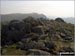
point(41, 36)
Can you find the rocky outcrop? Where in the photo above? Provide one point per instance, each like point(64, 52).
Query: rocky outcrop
point(38, 36)
point(59, 20)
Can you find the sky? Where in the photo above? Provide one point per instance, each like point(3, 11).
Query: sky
point(49, 8)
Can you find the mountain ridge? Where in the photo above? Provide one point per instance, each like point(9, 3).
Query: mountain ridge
point(20, 16)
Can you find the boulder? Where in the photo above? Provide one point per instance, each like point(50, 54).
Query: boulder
point(4, 33)
point(59, 20)
point(27, 36)
point(69, 38)
point(40, 45)
point(27, 27)
point(68, 49)
point(9, 42)
point(62, 35)
point(37, 52)
point(50, 45)
point(14, 36)
point(38, 29)
point(35, 37)
point(25, 40)
point(33, 44)
point(51, 31)
point(16, 25)
point(58, 37)
point(3, 51)
point(44, 37)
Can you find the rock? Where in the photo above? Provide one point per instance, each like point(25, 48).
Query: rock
point(62, 35)
point(25, 40)
point(27, 27)
point(40, 45)
point(63, 31)
point(33, 44)
point(69, 38)
point(50, 45)
point(4, 30)
point(9, 42)
point(4, 33)
point(59, 20)
point(6, 46)
point(58, 37)
point(21, 46)
point(3, 51)
point(44, 37)
point(30, 37)
point(37, 52)
point(16, 25)
point(38, 29)
point(27, 36)
point(51, 31)
point(35, 37)
point(68, 49)
point(14, 36)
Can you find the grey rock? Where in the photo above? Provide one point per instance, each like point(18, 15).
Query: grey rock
point(58, 37)
point(50, 45)
point(33, 44)
point(35, 37)
point(44, 37)
point(38, 29)
point(68, 49)
point(3, 51)
point(69, 38)
point(37, 52)
point(59, 20)
point(27, 27)
point(51, 31)
point(62, 34)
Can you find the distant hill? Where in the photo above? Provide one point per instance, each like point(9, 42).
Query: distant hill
point(67, 19)
point(19, 16)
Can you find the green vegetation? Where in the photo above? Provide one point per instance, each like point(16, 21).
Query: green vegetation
point(11, 50)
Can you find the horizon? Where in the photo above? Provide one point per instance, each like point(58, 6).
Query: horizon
point(48, 8)
point(38, 13)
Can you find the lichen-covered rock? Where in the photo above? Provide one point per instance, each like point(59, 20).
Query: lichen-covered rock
point(37, 52)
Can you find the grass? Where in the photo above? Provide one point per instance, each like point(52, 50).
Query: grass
point(11, 50)
point(60, 44)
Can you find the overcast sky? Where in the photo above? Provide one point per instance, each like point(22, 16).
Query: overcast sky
point(49, 8)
